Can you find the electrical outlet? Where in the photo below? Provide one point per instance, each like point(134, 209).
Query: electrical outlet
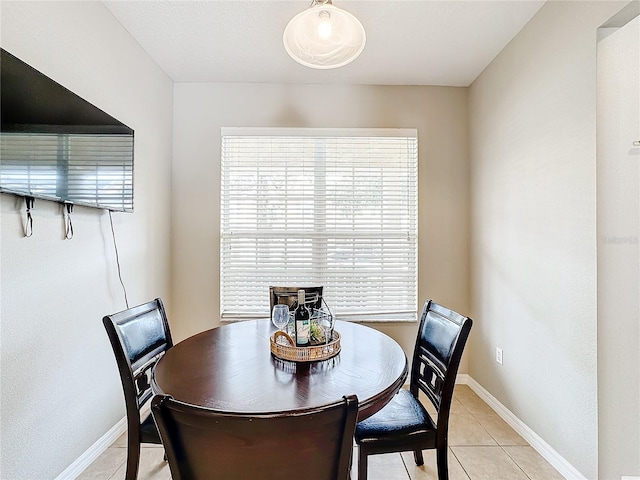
point(499, 355)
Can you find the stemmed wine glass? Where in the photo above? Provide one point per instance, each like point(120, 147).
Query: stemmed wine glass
point(326, 323)
point(280, 316)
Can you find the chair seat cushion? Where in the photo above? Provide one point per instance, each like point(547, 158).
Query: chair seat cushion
point(402, 419)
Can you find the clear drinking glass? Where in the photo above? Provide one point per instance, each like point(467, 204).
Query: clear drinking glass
point(326, 323)
point(280, 316)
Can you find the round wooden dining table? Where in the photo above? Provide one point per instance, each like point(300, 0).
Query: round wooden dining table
point(231, 368)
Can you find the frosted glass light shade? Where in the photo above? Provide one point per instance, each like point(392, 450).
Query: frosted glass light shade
point(337, 42)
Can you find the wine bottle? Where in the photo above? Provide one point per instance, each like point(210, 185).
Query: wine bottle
point(302, 321)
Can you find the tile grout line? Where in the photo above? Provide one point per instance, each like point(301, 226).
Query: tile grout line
point(460, 463)
point(514, 461)
point(406, 469)
point(497, 444)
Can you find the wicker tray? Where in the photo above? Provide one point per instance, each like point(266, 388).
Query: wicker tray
point(286, 348)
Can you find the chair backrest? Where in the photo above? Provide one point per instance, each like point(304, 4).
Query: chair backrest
point(441, 338)
point(314, 444)
point(139, 336)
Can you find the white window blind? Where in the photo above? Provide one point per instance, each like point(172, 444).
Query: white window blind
point(305, 207)
point(85, 169)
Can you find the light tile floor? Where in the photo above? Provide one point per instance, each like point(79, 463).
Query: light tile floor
point(481, 447)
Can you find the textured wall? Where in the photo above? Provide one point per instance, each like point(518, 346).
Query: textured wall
point(532, 117)
point(439, 114)
point(618, 194)
point(60, 389)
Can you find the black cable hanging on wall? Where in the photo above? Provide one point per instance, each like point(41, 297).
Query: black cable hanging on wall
point(67, 211)
point(115, 246)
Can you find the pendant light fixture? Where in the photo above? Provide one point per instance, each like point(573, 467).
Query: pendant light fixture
point(324, 36)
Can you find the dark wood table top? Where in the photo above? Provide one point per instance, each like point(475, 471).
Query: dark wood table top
point(231, 368)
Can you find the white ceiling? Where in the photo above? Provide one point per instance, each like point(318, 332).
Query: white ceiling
point(409, 42)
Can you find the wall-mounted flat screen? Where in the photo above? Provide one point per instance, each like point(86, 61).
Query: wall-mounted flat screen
point(57, 146)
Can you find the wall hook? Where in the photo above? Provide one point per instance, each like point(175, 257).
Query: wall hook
point(28, 226)
point(68, 226)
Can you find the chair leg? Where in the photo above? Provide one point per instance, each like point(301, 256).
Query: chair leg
point(417, 456)
point(362, 464)
point(443, 467)
point(133, 456)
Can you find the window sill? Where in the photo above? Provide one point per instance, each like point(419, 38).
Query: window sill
point(352, 320)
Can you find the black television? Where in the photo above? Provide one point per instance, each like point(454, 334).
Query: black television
point(54, 145)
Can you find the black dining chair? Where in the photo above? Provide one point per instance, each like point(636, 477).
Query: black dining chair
point(404, 424)
point(139, 337)
point(201, 444)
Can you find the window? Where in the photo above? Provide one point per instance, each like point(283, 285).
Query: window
point(308, 207)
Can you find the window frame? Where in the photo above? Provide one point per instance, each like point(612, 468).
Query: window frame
point(405, 314)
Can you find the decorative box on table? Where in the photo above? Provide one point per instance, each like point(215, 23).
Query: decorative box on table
point(324, 340)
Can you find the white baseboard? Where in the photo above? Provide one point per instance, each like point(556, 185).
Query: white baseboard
point(94, 451)
point(627, 477)
point(567, 470)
